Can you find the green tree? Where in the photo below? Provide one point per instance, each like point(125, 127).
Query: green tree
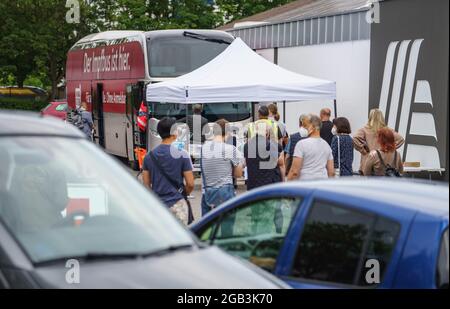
point(54, 36)
point(17, 53)
point(35, 38)
point(163, 14)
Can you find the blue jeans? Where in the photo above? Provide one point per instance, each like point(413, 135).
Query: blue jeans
point(214, 197)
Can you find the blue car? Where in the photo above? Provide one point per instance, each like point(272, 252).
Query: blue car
point(355, 233)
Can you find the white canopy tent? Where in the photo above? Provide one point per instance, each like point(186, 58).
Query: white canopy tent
point(241, 75)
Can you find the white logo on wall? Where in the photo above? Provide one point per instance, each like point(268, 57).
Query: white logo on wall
point(400, 102)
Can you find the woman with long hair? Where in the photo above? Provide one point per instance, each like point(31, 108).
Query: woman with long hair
point(365, 140)
point(387, 157)
point(274, 115)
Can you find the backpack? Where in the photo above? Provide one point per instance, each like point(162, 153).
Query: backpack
point(389, 170)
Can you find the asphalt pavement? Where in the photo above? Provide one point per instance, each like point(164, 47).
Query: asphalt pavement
point(196, 196)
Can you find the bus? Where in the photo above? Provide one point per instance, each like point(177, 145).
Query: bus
point(110, 71)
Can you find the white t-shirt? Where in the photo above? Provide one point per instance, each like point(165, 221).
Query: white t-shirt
point(315, 153)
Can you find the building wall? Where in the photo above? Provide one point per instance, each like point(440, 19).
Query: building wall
point(410, 76)
point(310, 31)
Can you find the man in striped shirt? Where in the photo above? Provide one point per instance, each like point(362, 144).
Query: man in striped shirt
point(219, 164)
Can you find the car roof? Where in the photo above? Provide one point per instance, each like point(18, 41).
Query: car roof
point(415, 195)
point(32, 124)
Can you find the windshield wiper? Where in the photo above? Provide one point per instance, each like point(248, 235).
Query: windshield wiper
point(90, 257)
point(168, 250)
point(204, 38)
point(98, 256)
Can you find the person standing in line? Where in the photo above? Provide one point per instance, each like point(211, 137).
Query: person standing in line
point(385, 161)
point(198, 125)
point(168, 172)
point(264, 122)
point(365, 139)
point(327, 125)
point(275, 116)
point(342, 147)
point(264, 159)
point(220, 163)
point(313, 158)
point(86, 118)
point(294, 139)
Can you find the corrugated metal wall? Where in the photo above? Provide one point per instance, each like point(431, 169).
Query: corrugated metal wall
point(320, 30)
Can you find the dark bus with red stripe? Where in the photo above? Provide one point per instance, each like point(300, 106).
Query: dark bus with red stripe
point(110, 71)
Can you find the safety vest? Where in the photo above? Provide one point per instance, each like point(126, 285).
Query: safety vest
point(142, 117)
point(260, 127)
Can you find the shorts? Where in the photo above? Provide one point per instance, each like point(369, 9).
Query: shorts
point(181, 211)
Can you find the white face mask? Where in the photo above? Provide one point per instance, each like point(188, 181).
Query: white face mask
point(334, 131)
point(272, 118)
point(303, 132)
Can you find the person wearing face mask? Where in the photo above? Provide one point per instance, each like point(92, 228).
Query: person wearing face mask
point(313, 158)
point(294, 139)
point(342, 147)
point(168, 172)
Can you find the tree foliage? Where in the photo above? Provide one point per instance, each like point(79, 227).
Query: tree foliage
point(35, 36)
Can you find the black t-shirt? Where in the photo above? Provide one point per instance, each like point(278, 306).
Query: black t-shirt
point(325, 132)
point(262, 166)
point(189, 120)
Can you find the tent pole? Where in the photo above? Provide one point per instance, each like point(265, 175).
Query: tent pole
point(335, 108)
point(284, 111)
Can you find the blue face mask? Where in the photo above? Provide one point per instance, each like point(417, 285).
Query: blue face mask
point(178, 144)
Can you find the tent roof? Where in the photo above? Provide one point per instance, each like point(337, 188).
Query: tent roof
point(240, 75)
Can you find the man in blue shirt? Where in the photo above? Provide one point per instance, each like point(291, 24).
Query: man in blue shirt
point(86, 118)
point(168, 171)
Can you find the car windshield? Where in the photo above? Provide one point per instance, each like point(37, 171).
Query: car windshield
point(232, 112)
point(63, 198)
point(61, 107)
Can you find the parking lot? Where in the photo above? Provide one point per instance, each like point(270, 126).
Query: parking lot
point(196, 196)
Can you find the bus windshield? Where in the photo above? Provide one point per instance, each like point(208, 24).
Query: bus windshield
point(176, 56)
point(232, 112)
